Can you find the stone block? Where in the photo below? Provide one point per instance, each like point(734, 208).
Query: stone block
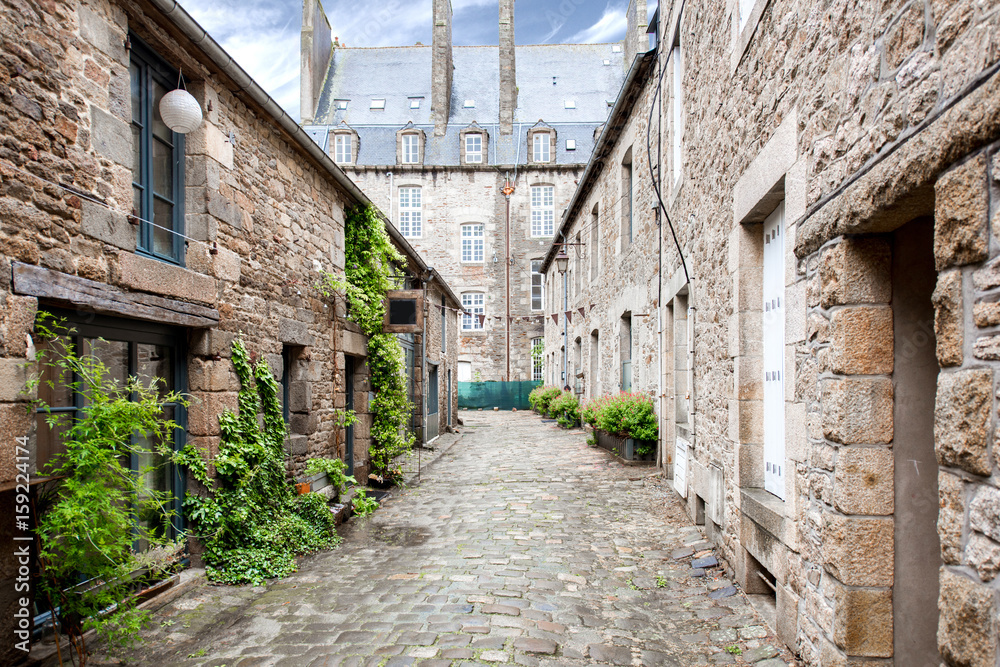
point(748, 372)
point(862, 341)
point(303, 423)
point(984, 511)
point(948, 318)
point(983, 554)
point(293, 332)
point(987, 348)
point(858, 410)
point(967, 627)
point(13, 377)
point(19, 323)
point(951, 516)
point(986, 314)
point(150, 275)
point(15, 421)
point(961, 208)
point(222, 209)
point(212, 142)
point(862, 621)
point(988, 275)
point(205, 408)
point(856, 270)
point(962, 418)
point(297, 444)
point(300, 396)
point(858, 551)
point(212, 343)
point(863, 482)
point(111, 137)
point(226, 265)
point(212, 375)
point(108, 226)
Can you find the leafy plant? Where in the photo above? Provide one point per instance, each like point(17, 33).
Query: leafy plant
point(566, 409)
point(540, 397)
point(734, 650)
point(370, 261)
point(249, 519)
point(363, 504)
point(335, 470)
point(661, 582)
point(88, 532)
point(627, 415)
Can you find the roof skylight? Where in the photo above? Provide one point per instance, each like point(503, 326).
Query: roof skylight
point(378, 104)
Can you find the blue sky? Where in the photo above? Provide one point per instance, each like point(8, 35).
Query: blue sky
point(263, 35)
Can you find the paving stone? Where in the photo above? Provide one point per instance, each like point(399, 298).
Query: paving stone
point(761, 653)
point(706, 562)
point(529, 645)
point(616, 655)
point(720, 593)
point(457, 653)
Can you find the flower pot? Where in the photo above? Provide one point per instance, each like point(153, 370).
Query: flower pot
point(303, 488)
point(629, 449)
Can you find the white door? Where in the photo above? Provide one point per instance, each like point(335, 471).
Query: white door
point(465, 371)
point(774, 352)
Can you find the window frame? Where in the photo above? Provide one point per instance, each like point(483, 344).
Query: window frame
point(537, 284)
point(153, 68)
point(541, 147)
point(543, 214)
point(470, 321)
point(349, 149)
point(410, 138)
point(537, 365)
point(411, 215)
point(474, 136)
point(472, 238)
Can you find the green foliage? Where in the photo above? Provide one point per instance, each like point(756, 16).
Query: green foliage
point(627, 415)
point(734, 650)
point(370, 260)
point(250, 521)
point(88, 531)
point(540, 397)
point(335, 471)
point(566, 409)
point(363, 504)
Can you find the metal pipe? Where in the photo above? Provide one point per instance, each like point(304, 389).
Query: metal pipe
point(507, 262)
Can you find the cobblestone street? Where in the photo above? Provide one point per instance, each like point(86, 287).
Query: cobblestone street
point(520, 545)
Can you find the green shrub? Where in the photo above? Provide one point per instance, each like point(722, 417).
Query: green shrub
point(541, 397)
point(566, 409)
point(335, 472)
point(627, 415)
point(363, 504)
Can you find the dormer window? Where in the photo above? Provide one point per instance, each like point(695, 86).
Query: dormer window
point(341, 105)
point(541, 146)
point(474, 146)
point(343, 149)
point(411, 149)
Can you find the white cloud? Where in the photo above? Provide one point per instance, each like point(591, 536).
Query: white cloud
point(609, 28)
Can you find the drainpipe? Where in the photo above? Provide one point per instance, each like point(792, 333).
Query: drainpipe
point(508, 189)
point(391, 198)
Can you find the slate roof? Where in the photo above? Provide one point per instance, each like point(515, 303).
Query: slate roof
point(548, 76)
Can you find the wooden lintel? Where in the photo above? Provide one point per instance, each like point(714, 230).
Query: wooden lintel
point(99, 297)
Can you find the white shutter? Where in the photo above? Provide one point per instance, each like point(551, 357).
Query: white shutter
point(774, 352)
point(680, 466)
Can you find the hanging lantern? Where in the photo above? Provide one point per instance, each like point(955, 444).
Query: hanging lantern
point(180, 111)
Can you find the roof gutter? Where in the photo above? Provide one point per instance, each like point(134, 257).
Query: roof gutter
point(245, 83)
point(608, 135)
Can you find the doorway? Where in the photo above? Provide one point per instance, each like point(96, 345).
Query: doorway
point(349, 405)
point(432, 401)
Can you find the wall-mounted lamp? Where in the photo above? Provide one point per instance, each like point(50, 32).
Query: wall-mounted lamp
point(562, 261)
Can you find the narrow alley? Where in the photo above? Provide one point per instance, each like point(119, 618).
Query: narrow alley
point(520, 545)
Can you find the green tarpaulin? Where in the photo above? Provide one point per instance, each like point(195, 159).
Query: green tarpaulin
point(489, 395)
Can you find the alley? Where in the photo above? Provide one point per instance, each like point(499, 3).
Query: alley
point(521, 545)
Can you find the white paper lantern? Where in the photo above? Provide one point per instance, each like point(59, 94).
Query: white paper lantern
point(180, 111)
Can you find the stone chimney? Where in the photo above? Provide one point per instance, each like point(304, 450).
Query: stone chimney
point(315, 51)
point(636, 40)
point(508, 78)
point(442, 67)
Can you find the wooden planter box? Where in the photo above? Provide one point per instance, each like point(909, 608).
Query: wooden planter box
point(626, 448)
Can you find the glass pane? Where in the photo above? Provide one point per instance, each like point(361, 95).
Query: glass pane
point(155, 514)
point(136, 85)
point(160, 128)
point(50, 440)
point(155, 364)
point(54, 388)
point(137, 200)
point(136, 154)
point(163, 169)
point(113, 354)
point(163, 238)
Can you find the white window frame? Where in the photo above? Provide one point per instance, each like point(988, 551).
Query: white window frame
point(473, 243)
point(773, 333)
point(543, 211)
point(537, 366)
point(541, 147)
point(537, 285)
point(677, 112)
point(411, 212)
point(474, 156)
point(343, 146)
point(411, 149)
point(474, 304)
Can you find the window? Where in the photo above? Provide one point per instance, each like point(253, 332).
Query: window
point(773, 330)
point(569, 104)
point(470, 104)
point(411, 149)
point(377, 104)
point(415, 102)
point(444, 326)
point(626, 352)
point(473, 148)
point(543, 210)
point(571, 144)
point(537, 285)
point(157, 159)
point(676, 105)
point(472, 243)
point(627, 198)
point(341, 104)
point(746, 8)
point(537, 349)
point(595, 243)
point(343, 149)
point(472, 302)
point(540, 144)
point(411, 215)
point(286, 380)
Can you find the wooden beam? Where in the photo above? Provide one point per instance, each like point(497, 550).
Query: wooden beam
point(99, 297)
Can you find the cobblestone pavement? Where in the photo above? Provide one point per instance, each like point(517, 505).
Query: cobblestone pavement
point(521, 545)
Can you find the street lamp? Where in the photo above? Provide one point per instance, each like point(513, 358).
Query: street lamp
point(562, 264)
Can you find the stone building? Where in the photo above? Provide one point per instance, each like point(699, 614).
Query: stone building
point(161, 248)
point(474, 152)
point(827, 374)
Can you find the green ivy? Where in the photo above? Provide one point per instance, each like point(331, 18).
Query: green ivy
point(370, 262)
point(250, 521)
point(335, 470)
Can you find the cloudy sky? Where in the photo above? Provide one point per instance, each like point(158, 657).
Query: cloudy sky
point(263, 35)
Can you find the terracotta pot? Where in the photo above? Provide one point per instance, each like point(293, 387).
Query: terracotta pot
point(303, 488)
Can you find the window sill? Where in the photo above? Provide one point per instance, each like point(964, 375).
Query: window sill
point(769, 512)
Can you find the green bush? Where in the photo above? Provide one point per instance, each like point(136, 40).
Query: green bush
point(541, 397)
point(566, 409)
point(627, 415)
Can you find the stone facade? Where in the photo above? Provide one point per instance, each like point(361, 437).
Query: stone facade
point(844, 179)
point(262, 212)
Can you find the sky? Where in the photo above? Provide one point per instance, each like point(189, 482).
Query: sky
point(263, 35)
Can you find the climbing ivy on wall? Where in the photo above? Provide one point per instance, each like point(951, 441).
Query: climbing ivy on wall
point(250, 521)
point(369, 264)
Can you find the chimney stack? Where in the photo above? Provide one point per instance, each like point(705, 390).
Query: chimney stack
point(636, 40)
point(442, 67)
point(508, 78)
point(315, 57)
